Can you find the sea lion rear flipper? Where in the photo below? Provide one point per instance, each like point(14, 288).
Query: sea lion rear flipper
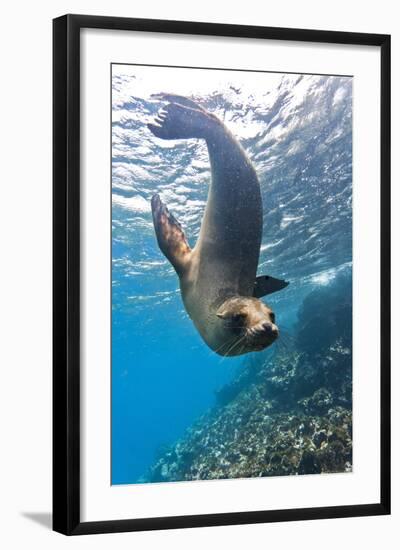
point(267, 285)
point(182, 118)
point(170, 236)
point(174, 98)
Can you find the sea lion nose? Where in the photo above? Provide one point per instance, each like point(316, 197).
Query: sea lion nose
point(270, 329)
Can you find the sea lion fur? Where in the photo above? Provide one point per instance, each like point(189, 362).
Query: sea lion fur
point(217, 277)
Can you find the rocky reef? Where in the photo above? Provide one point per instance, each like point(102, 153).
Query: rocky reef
point(284, 414)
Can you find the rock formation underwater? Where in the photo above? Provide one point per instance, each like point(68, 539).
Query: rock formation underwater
point(286, 413)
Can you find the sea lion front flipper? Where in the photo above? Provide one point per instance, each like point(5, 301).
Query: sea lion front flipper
point(267, 285)
point(170, 236)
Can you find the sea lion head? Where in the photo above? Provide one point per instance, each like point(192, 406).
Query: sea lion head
point(247, 323)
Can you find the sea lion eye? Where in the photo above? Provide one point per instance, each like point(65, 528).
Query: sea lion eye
point(272, 316)
point(238, 317)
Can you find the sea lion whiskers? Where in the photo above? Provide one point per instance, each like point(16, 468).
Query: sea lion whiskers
point(234, 345)
point(226, 343)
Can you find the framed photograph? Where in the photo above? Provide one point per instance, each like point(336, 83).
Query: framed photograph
point(221, 274)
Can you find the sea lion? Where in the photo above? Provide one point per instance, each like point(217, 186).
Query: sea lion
point(217, 277)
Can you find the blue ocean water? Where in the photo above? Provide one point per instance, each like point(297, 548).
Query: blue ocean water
point(297, 130)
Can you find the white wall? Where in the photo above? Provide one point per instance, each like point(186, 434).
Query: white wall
point(25, 217)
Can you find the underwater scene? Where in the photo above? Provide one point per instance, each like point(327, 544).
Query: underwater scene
point(216, 374)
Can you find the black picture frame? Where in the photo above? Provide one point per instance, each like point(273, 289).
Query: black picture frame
point(66, 273)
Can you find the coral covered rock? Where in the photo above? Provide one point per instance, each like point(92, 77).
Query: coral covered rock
point(289, 414)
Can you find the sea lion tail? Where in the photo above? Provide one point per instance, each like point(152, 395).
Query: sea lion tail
point(182, 118)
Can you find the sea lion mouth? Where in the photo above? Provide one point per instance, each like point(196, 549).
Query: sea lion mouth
point(262, 336)
point(250, 339)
